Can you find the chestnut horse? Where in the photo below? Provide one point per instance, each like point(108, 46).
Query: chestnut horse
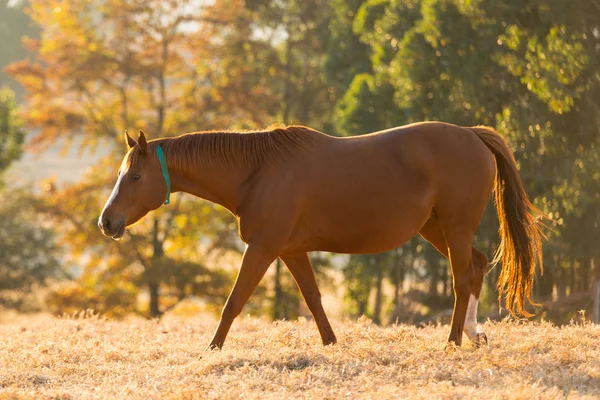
point(295, 190)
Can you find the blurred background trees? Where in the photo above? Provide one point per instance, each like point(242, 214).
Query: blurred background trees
point(28, 251)
point(13, 134)
point(88, 71)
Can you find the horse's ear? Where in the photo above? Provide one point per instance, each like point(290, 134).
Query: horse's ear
point(129, 140)
point(142, 142)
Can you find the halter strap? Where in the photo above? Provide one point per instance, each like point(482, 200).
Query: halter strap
point(165, 171)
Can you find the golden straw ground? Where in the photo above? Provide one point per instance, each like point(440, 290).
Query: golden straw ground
point(97, 359)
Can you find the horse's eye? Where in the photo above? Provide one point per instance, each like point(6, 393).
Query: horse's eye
point(135, 177)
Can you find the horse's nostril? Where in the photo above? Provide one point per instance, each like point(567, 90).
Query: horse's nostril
point(106, 224)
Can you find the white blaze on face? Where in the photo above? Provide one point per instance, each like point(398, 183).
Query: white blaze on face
point(115, 190)
point(471, 328)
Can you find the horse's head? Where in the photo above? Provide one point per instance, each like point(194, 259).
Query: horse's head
point(140, 188)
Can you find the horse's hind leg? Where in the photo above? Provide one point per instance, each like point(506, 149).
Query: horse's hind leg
point(468, 267)
point(304, 275)
point(479, 263)
point(459, 250)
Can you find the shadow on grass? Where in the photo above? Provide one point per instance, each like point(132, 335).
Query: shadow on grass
point(293, 363)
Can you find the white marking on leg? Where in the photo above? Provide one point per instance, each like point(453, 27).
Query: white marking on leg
point(471, 327)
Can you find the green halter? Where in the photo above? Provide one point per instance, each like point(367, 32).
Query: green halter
point(165, 171)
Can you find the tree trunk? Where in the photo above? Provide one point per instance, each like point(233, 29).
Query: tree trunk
point(287, 90)
point(445, 283)
point(545, 284)
point(561, 284)
point(586, 282)
point(153, 274)
point(434, 270)
point(398, 279)
point(596, 306)
point(277, 310)
point(153, 287)
point(362, 308)
point(572, 287)
point(378, 296)
point(596, 293)
point(162, 87)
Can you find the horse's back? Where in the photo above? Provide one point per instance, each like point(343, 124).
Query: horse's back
point(425, 151)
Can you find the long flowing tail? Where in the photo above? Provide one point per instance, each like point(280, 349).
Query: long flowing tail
point(521, 237)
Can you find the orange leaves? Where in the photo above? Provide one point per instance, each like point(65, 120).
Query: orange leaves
point(164, 66)
point(99, 69)
point(30, 75)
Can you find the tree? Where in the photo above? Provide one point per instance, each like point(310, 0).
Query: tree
point(12, 135)
point(299, 31)
point(138, 64)
point(346, 55)
point(529, 69)
point(28, 252)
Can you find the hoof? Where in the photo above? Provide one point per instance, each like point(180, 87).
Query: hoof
point(329, 342)
point(213, 347)
point(451, 346)
point(481, 339)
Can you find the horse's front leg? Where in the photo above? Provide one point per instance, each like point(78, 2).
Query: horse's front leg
point(255, 262)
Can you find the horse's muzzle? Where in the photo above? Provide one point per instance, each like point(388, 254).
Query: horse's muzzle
point(113, 229)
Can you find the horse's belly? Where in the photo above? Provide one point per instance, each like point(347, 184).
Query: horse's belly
point(372, 238)
point(373, 227)
point(362, 244)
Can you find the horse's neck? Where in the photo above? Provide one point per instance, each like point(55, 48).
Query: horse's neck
point(218, 164)
point(212, 181)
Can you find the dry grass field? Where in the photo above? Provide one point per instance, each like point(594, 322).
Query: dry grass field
point(91, 358)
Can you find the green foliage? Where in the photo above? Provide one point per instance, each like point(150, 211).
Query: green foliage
point(356, 110)
point(530, 69)
point(29, 255)
point(12, 135)
point(299, 32)
point(346, 55)
point(28, 251)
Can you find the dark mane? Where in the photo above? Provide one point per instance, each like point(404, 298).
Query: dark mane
point(232, 148)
